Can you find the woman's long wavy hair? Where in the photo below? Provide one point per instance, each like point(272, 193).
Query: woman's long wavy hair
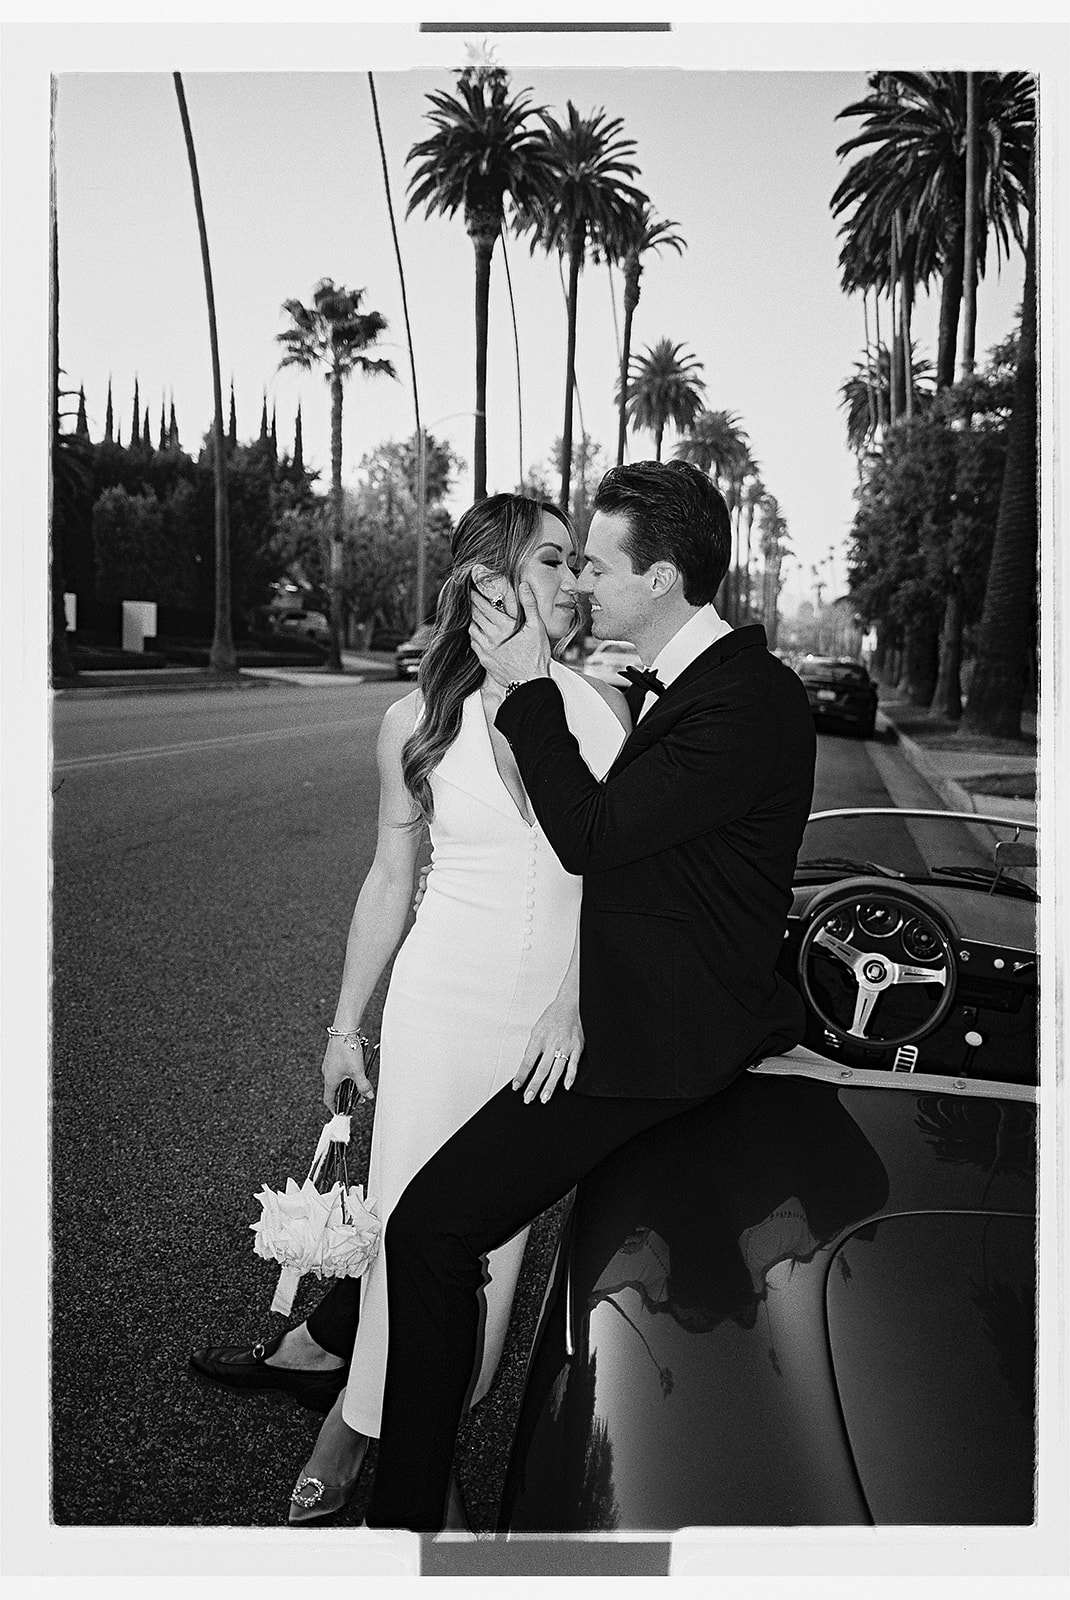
point(498, 533)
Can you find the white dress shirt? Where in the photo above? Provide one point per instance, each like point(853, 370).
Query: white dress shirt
point(685, 646)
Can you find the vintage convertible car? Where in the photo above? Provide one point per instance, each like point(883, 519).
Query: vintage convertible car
point(811, 1301)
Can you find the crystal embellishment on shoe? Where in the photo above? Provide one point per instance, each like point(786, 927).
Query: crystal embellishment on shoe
point(300, 1495)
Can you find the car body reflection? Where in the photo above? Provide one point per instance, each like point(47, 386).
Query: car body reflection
point(806, 1302)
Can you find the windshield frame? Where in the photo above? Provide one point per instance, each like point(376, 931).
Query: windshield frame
point(979, 823)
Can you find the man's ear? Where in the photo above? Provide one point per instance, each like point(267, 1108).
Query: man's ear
point(663, 575)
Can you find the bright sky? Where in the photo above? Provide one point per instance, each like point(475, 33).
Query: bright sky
point(293, 190)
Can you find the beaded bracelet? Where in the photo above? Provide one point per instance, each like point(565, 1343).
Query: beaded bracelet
point(352, 1037)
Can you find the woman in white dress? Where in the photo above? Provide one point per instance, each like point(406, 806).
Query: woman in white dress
point(484, 989)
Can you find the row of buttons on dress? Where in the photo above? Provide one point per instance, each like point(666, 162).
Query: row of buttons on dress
point(529, 915)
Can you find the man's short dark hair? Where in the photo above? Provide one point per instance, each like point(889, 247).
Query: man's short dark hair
point(675, 513)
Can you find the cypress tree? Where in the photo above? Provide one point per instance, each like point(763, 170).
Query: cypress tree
point(264, 421)
point(232, 431)
point(172, 429)
point(163, 427)
point(82, 425)
point(109, 418)
point(135, 426)
point(146, 440)
point(274, 440)
point(299, 453)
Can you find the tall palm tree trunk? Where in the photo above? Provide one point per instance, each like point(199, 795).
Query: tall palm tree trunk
point(574, 257)
point(882, 408)
point(947, 696)
point(997, 690)
point(906, 303)
point(334, 648)
point(969, 248)
point(950, 302)
point(946, 702)
point(221, 657)
point(746, 564)
point(484, 249)
point(895, 393)
point(659, 434)
point(871, 385)
point(62, 665)
point(631, 300)
point(516, 348)
point(420, 595)
point(737, 551)
point(918, 667)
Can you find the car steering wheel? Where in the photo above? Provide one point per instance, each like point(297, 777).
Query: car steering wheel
point(884, 936)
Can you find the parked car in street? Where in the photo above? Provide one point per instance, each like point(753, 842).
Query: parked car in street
point(811, 1300)
point(607, 658)
point(841, 692)
point(410, 652)
point(302, 624)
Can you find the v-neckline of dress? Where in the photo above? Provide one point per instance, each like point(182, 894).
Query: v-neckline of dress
point(530, 825)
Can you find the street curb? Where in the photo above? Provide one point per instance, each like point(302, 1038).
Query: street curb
point(96, 691)
point(954, 796)
point(245, 679)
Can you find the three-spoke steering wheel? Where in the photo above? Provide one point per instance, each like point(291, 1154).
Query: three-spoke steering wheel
point(885, 937)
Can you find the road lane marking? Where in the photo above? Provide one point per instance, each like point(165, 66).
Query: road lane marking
point(192, 746)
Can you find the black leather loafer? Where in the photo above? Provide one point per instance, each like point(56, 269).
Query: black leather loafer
point(244, 1369)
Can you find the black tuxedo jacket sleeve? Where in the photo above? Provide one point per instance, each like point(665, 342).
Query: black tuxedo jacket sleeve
point(687, 850)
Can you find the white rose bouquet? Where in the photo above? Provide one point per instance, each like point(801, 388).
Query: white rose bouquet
point(332, 1231)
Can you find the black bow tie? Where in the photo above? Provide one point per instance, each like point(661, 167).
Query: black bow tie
point(640, 680)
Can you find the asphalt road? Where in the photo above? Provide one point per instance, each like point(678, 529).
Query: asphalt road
point(207, 851)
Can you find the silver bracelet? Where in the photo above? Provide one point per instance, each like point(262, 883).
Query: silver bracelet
point(352, 1037)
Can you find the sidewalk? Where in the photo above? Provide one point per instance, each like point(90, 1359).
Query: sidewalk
point(358, 669)
point(991, 777)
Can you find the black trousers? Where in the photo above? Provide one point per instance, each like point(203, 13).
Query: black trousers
point(496, 1174)
point(333, 1324)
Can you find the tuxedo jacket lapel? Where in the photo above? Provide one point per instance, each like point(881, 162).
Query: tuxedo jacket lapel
point(662, 713)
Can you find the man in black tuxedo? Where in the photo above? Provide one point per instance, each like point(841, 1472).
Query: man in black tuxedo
point(687, 850)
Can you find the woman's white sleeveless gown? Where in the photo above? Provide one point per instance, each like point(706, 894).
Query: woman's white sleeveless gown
point(491, 943)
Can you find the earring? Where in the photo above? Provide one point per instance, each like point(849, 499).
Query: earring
point(499, 604)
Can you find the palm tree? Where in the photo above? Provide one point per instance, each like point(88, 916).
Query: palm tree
point(734, 491)
point(864, 396)
point(333, 333)
point(997, 690)
point(754, 492)
point(664, 386)
point(718, 445)
point(916, 171)
point(773, 536)
point(650, 233)
point(591, 201)
point(221, 657)
point(485, 146)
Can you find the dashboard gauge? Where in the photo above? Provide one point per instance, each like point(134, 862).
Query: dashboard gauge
point(921, 940)
point(878, 918)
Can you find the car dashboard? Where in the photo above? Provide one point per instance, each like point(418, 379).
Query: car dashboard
point(989, 1029)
